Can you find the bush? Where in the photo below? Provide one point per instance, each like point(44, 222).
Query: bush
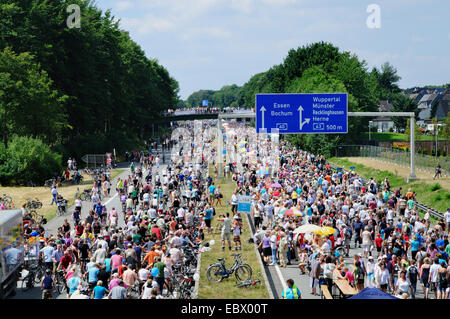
point(27, 159)
point(435, 187)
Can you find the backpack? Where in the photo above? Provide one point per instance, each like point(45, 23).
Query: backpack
point(348, 234)
point(359, 274)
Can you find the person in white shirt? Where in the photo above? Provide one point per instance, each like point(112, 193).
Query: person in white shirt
point(447, 218)
point(434, 275)
point(78, 203)
point(175, 254)
point(54, 193)
point(382, 277)
point(273, 247)
point(370, 272)
point(143, 274)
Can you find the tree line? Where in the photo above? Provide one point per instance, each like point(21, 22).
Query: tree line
point(78, 90)
point(321, 68)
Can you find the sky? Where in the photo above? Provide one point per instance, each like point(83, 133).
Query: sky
point(206, 44)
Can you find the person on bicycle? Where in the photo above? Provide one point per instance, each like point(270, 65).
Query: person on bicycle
point(47, 285)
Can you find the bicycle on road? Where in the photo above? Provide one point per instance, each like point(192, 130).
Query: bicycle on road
point(60, 281)
point(218, 271)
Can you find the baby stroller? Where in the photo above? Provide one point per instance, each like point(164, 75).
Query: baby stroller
point(62, 205)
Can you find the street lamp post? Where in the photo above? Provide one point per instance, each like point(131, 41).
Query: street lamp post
point(370, 124)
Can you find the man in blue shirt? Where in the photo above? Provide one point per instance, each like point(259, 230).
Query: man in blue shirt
point(92, 276)
point(98, 209)
point(47, 255)
point(208, 217)
point(99, 291)
point(47, 285)
point(291, 291)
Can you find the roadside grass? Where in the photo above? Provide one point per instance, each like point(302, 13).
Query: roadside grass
point(432, 195)
point(226, 289)
point(397, 137)
point(20, 194)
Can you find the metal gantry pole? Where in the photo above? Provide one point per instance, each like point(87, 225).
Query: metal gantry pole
point(220, 146)
point(412, 127)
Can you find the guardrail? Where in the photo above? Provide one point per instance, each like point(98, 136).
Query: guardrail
point(420, 206)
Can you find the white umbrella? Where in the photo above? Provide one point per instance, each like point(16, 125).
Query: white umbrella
point(307, 228)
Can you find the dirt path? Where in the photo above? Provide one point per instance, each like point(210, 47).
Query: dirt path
point(400, 170)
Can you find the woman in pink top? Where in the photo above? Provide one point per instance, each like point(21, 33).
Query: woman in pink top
point(349, 276)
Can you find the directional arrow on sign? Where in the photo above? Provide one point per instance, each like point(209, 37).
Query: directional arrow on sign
point(300, 110)
point(263, 109)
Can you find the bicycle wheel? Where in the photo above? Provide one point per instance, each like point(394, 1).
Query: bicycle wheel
point(38, 275)
point(38, 205)
point(243, 272)
point(214, 273)
point(27, 282)
point(60, 286)
point(7, 199)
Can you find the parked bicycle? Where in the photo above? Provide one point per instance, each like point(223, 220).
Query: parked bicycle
point(250, 282)
point(218, 271)
point(7, 201)
point(33, 203)
point(85, 195)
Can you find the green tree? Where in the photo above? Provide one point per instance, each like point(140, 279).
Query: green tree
point(27, 159)
point(446, 128)
point(417, 134)
point(28, 104)
point(402, 103)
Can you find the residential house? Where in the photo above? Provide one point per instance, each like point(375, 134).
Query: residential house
point(383, 123)
point(443, 106)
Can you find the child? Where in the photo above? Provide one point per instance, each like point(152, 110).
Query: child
point(349, 276)
point(237, 236)
point(303, 256)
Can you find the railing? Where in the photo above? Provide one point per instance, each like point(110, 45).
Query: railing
point(391, 155)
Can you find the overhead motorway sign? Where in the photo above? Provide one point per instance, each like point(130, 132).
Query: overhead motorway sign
point(205, 103)
point(310, 113)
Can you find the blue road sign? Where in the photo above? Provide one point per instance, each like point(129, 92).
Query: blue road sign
point(310, 113)
point(244, 204)
point(205, 103)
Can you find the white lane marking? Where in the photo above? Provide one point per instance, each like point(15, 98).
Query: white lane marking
point(280, 275)
point(110, 199)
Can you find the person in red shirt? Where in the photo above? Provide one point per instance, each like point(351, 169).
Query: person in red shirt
point(79, 229)
point(155, 229)
point(332, 239)
point(379, 243)
point(65, 261)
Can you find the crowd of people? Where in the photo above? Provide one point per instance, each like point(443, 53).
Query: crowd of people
point(401, 249)
point(165, 210)
point(140, 249)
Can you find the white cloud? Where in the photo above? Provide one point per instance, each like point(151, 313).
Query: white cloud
point(123, 5)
